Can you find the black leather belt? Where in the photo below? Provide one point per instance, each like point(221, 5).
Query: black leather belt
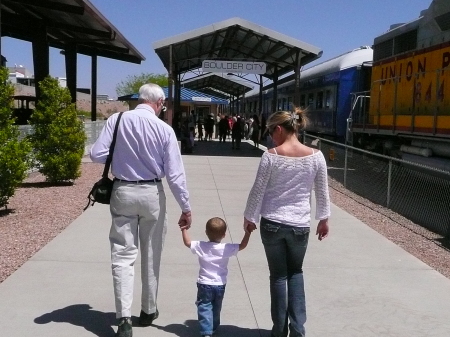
point(138, 181)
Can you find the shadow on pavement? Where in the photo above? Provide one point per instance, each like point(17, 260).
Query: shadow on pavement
point(215, 148)
point(190, 328)
point(97, 322)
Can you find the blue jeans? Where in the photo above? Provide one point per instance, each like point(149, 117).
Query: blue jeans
point(209, 305)
point(285, 248)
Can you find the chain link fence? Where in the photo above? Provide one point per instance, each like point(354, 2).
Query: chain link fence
point(419, 193)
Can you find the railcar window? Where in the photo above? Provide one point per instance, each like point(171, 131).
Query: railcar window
point(443, 21)
point(284, 104)
point(289, 103)
point(328, 99)
point(311, 100)
point(319, 100)
point(302, 101)
point(383, 50)
point(405, 42)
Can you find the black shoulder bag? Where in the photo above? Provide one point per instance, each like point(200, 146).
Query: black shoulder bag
point(101, 192)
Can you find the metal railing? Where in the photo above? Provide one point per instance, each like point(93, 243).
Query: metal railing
point(92, 130)
point(417, 192)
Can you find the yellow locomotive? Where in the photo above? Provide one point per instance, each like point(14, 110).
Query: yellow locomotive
point(410, 87)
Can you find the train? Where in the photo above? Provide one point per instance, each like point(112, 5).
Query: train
point(392, 97)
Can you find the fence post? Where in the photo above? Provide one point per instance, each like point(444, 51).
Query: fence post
point(388, 201)
point(304, 137)
point(345, 166)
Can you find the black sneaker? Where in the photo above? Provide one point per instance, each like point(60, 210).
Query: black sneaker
point(125, 329)
point(147, 319)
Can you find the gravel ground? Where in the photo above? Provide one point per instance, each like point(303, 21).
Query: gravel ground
point(38, 212)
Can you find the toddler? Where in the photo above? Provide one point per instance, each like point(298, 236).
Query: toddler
point(213, 258)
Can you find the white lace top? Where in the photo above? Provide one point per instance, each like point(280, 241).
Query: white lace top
point(282, 189)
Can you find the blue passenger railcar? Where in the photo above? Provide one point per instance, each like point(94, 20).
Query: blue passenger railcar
point(325, 91)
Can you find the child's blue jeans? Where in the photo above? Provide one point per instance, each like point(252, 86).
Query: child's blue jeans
point(209, 305)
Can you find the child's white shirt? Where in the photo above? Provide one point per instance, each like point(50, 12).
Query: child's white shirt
point(213, 259)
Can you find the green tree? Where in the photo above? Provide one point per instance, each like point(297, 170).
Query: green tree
point(59, 138)
point(132, 83)
point(14, 153)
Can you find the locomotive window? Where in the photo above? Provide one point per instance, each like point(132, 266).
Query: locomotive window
point(405, 42)
point(382, 50)
point(319, 100)
point(443, 21)
point(328, 99)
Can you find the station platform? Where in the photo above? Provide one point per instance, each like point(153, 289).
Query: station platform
point(358, 283)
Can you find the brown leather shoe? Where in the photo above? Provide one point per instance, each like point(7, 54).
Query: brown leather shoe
point(147, 319)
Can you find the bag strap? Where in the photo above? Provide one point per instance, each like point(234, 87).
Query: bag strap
point(111, 148)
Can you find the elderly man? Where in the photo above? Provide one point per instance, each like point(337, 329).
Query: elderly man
point(146, 151)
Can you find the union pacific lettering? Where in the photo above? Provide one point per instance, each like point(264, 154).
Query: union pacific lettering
point(413, 67)
point(403, 70)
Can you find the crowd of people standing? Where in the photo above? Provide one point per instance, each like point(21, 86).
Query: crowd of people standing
point(223, 127)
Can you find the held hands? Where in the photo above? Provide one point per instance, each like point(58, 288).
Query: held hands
point(185, 220)
point(249, 226)
point(322, 229)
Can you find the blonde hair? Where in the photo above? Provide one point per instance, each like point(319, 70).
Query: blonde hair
point(291, 121)
point(216, 229)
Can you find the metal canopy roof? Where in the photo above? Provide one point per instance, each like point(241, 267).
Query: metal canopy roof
point(216, 83)
point(187, 95)
point(67, 22)
point(235, 39)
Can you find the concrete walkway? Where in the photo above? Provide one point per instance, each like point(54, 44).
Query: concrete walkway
point(358, 284)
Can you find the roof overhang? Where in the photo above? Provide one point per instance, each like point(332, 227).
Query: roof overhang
point(236, 39)
point(67, 23)
point(210, 83)
point(186, 95)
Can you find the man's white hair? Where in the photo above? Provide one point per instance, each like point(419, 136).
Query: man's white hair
point(151, 93)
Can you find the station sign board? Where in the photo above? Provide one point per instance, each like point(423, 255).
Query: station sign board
point(240, 67)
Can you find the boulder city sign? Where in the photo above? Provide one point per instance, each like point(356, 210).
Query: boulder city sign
point(216, 66)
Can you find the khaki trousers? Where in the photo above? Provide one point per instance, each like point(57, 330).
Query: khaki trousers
point(139, 217)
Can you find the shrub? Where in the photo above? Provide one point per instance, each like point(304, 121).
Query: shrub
point(59, 138)
point(14, 153)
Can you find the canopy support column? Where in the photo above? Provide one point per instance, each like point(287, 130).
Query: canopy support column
point(71, 70)
point(275, 90)
point(260, 98)
point(94, 88)
point(169, 112)
point(1, 34)
point(41, 59)
point(177, 104)
point(297, 79)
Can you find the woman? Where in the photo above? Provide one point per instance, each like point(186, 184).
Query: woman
point(281, 195)
point(256, 128)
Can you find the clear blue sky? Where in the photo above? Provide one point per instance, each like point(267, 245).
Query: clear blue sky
point(335, 26)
